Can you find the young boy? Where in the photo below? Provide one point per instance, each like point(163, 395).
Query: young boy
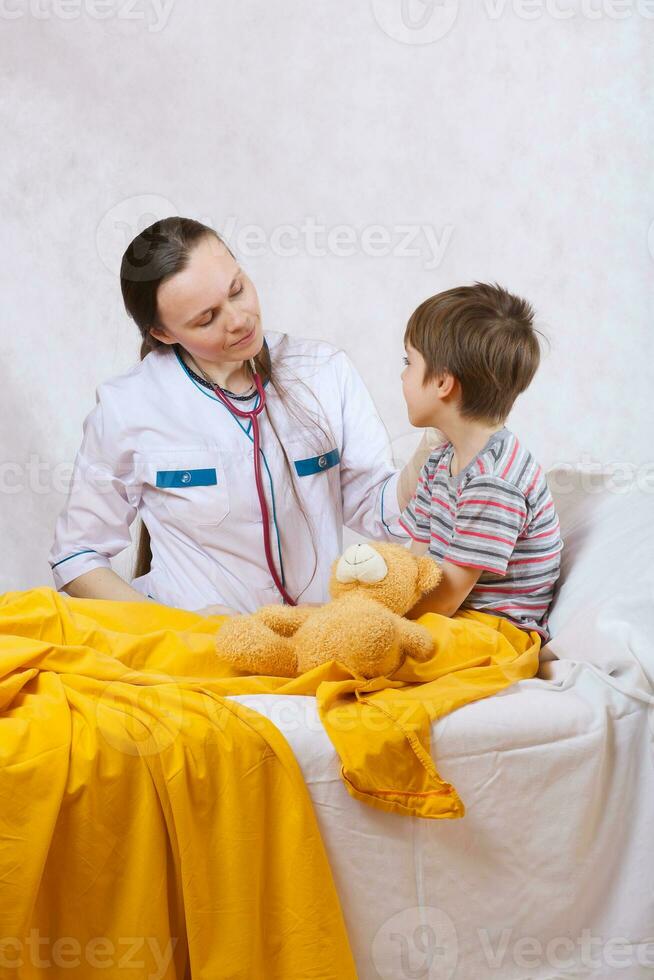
point(482, 507)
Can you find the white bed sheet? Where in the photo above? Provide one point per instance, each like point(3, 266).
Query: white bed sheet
point(550, 874)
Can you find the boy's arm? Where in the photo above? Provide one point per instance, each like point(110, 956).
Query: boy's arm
point(457, 582)
point(490, 515)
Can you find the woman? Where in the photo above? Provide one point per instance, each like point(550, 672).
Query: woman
point(165, 441)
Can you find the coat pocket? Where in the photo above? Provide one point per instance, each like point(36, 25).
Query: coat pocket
point(188, 485)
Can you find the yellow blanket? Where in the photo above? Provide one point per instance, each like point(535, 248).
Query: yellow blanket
point(147, 828)
point(135, 799)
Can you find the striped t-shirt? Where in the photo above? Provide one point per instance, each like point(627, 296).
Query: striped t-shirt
point(498, 515)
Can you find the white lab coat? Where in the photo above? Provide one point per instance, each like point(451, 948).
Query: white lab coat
point(161, 445)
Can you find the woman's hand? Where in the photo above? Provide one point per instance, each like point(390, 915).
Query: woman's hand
point(407, 483)
point(216, 611)
point(226, 611)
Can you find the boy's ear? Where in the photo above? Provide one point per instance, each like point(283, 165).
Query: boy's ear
point(429, 574)
point(448, 384)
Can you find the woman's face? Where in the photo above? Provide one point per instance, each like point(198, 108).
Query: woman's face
point(211, 307)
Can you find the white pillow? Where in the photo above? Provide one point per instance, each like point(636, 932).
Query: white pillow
point(603, 608)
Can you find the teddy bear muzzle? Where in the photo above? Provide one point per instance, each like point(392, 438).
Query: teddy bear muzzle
point(361, 563)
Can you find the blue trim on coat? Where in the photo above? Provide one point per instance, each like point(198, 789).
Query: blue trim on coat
point(87, 551)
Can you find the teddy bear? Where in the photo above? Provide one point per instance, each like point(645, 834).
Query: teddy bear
point(373, 586)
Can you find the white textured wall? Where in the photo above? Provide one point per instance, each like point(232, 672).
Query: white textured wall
point(514, 139)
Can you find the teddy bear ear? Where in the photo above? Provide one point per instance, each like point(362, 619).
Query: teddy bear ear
point(429, 574)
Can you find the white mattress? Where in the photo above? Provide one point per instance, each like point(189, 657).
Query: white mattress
point(550, 874)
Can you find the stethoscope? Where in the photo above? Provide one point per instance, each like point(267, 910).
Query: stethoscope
point(254, 422)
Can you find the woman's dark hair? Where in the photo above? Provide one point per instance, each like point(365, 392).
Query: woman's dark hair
point(156, 254)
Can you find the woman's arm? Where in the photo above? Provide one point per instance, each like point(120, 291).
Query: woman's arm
point(103, 583)
point(102, 503)
point(369, 476)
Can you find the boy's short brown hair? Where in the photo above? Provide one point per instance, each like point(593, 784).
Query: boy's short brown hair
point(484, 336)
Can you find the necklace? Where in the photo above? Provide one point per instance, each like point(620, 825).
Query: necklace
point(208, 383)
